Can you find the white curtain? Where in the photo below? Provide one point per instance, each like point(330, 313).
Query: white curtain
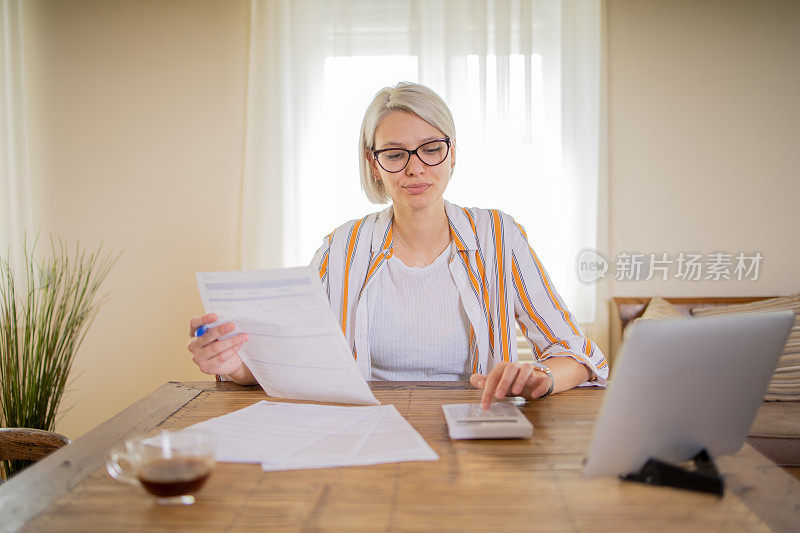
point(15, 196)
point(522, 80)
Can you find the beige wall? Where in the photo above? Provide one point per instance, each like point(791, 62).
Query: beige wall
point(703, 129)
point(136, 140)
point(136, 136)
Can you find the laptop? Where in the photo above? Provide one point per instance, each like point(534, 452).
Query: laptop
point(683, 385)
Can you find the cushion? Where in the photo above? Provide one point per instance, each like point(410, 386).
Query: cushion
point(785, 383)
point(657, 309)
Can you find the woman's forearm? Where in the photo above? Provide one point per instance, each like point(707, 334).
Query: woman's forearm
point(243, 376)
point(567, 373)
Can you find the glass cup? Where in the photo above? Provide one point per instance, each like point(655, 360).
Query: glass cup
point(172, 465)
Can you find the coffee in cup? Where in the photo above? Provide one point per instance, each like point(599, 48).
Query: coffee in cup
point(172, 466)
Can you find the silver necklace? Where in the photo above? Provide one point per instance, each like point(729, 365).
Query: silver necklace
point(428, 261)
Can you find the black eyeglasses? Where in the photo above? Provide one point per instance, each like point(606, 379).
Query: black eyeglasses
point(431, 153)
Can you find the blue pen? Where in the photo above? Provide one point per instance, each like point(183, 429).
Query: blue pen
point(199, 332)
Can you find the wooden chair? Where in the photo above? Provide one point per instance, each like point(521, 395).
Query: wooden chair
point(29, 444)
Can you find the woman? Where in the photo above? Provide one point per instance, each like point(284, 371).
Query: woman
point(427, 290)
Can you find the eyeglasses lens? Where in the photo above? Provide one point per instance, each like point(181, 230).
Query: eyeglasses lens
point(431, 154)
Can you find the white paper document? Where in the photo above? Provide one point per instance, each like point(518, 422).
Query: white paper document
point(284, 436)
point(296, 349)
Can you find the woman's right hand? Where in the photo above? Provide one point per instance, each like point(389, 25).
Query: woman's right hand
point(215, 356)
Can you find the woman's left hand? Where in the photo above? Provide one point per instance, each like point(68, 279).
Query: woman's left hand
point(510, 379)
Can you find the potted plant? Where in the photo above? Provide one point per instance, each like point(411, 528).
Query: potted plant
point(44, 316)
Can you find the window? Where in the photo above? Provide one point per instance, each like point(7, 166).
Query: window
point(505, 67)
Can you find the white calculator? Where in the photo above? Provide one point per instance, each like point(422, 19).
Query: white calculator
point(501, 421)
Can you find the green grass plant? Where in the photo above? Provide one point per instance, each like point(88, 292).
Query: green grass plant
point(44, 317)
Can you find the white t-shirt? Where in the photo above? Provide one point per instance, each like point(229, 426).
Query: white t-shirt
point(418, 329)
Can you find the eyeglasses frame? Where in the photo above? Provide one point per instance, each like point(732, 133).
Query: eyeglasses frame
point(376, 153)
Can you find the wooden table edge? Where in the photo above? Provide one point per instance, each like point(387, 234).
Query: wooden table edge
point(39, 486)
point(779, 507)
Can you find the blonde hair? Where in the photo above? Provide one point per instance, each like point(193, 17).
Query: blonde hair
point(404, 96)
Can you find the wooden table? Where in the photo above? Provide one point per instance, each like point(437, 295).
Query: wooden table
point(475, 485)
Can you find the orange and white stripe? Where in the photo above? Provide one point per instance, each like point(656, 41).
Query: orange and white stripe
point(498, 277)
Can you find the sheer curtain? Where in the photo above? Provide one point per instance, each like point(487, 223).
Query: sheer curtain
point(15, 196)
point(522, 80)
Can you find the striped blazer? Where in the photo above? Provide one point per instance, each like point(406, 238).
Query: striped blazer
point(498, 276)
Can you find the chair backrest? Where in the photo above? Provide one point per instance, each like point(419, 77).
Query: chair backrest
point(29, 444)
